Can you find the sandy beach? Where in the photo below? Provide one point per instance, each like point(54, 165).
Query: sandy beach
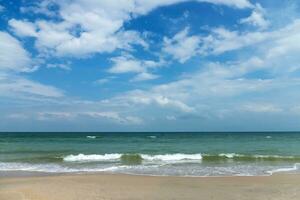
point(104, 186)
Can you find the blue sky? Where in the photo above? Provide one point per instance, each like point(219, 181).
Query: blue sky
point(141, 65)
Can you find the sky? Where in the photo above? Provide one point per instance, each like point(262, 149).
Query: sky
point(149, 65)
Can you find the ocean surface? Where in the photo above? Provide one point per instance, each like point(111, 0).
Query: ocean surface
point(167, 154)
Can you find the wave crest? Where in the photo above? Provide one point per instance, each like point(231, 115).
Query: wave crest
point(92, 157)
point(117, 156)
point(177, 157)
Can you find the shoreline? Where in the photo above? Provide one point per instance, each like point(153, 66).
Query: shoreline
point(32, 174)
point(123, 186)
point(22, 173)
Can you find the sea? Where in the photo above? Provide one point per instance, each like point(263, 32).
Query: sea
point(156, 154)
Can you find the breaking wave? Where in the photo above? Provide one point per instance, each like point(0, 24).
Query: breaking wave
point(176, 157)
point(145, 157)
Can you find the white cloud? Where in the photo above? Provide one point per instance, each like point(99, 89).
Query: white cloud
point(261, 108)
point(101, 81)
point(40, 7)
point(59, 65)
point(2, 8)
point(88, 27)
point(222, 40)
point(144, 76)
point(170, 118)
point(129, 64)
point(18, 87)
point(257, 18)
point(17, 116)
point(13, 57)
point(154, 96)
point(111, 116)
point(181, 47)
point(126, 64)
point(232, 82)
point(144, 6)
point(44, 116)
point(115, 117)
point(235, 3)
point(23, 28)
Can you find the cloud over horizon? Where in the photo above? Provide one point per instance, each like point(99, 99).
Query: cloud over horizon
point(202, 65)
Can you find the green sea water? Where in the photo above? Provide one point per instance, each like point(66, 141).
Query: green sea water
point(179, 154)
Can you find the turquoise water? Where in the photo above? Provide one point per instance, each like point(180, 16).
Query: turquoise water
point(180, 154)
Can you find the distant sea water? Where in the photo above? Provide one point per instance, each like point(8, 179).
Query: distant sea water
point(163, 154)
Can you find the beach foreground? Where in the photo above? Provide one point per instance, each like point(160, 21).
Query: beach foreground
point(104, 186)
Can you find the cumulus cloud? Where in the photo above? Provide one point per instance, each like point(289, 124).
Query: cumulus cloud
point(126, 64)
point(88, 27)
point(261, 108)
point(23, 28)
point(267, 75)
point(2, 8)
point(154, 96)
point(59, 65)
point(263, 77)
point(18, 87)
point(129, 64)
point(144, 76)
point(13, 57)
point(257, 18)
point(111, 116)
point(182, 46)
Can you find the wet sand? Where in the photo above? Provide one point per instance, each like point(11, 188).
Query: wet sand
point(105, 186)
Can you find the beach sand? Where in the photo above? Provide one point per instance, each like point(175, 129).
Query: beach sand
point(104, 186)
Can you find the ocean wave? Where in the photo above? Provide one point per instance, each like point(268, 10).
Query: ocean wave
point(242, 157)
point(155, 170)
point(118, 156)
point(287, 169)
point(177, 157)
point(91, 137)
point(53, 168)
point(172, 157)
point(92, 157)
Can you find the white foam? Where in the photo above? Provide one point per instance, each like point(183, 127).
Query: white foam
point(91, 137)
point(233, 155)
point(117, 157)
point(52, 168)
point(288, 169)
point(172, 157)
point(92, 157)
point(229, 155)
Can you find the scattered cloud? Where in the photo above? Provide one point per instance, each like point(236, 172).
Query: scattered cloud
point(18, 87)
point(102, 81)
point(261, 108)
point(144, 76)
point(111, 116)
point(129, 64)
point(13, 57)
point(181, 47)
point(126, 64)
point(260, 71)
point(257, 18)
point(59, 65)
point(2, 8)
point(88, 27)
point(23, 28)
